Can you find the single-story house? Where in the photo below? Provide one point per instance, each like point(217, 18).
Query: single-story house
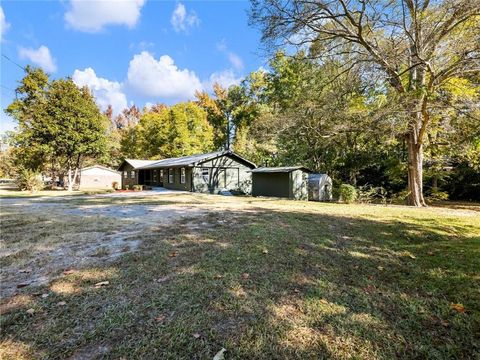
point(206, 173)
point(287, 182)
point(98, 177)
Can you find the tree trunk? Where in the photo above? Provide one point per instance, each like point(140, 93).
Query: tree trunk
point(70, 185)
point(415, 171)
point(74, 179)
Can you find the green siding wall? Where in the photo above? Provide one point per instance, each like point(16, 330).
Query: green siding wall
point(292, 185)
point(177, 185)
point(299, 185)
point(224, 173)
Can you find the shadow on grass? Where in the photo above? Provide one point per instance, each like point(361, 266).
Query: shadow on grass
point(266, 284)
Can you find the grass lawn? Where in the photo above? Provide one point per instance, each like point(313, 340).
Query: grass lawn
point(264, 279)
point(6, 193)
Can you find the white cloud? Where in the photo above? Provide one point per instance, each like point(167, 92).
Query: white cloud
point(161, 78)
point(106, 92)
point(4, 25)
point(235, 60)
point(141, 46)
point(93, 15)
point(40, 57)
point(181, 20)
point(224, 78)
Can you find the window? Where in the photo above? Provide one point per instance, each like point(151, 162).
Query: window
point(132, 174)
point(161, 175)
point(182, 175)
point(170, 176)
point(205, 174)
point(155, 175)
point(125, 174)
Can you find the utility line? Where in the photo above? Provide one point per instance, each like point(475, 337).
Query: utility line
point(13, 62)
point(7, 88)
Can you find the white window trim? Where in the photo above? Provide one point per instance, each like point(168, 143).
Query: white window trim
point(206, 176)
point(132, 174)
point(171, 177)
point(183, 176)
point(125, 174)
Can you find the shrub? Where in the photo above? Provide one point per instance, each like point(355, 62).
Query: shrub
point(137, 187)
point(437, 195)
point(368, 194)
point(348, 193)
point(400, 197)
point(115, 185)
point(29, 180)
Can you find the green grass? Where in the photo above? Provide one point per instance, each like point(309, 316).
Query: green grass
point(265, 279)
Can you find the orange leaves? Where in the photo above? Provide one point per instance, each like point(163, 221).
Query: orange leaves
point(458, 307)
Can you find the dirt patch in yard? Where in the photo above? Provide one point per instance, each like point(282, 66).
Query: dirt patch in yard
point(41, 239)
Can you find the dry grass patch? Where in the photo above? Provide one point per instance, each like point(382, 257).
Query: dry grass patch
point(265, 279)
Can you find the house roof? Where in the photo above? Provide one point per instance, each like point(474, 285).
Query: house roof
point(193, 160)
point(138, 163)
point(284, 169)
point(99, 167)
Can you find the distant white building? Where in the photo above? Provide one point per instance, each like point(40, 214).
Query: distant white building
point(98, 177)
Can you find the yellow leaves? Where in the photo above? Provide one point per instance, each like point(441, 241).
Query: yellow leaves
point(460, 88)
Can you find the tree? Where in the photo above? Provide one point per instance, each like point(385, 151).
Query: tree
point(219, 114)
point(231, 112)
point(28, 110)
point(417, 45)
point(328, 125)
point(174, 131)
point(59, 120)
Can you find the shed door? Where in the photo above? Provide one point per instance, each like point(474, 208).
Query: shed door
point(271, 184)
point(218, 178)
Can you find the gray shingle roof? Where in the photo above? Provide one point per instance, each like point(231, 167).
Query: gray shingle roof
point(192, 160)
point(282, 169)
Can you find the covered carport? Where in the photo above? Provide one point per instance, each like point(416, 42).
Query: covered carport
point(285, 182)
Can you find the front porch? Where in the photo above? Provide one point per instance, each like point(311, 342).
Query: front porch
point(150, 177)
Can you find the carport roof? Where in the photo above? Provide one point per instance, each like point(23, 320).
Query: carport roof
point(139, 163)
point(282, 169)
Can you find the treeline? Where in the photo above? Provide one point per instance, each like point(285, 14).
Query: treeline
point(298, 112)
point(384, 96)
point(303, 112)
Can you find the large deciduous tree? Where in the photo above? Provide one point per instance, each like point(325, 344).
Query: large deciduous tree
point(161, 132)
point(419, 46)
point(57, 121)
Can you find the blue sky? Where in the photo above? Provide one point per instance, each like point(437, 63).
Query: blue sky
point(129, 51)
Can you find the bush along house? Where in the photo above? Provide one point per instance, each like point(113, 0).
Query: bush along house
point(206, 173)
